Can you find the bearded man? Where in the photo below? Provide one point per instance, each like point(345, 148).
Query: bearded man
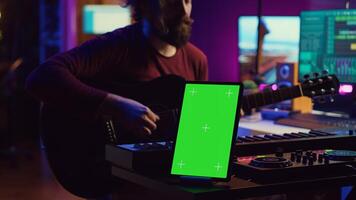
point(157, 44)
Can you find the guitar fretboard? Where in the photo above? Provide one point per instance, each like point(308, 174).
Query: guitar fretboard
point(270, 97)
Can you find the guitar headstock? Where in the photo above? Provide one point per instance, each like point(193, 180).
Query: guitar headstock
point(320, 86)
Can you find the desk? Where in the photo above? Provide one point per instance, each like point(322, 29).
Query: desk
point(237, 187)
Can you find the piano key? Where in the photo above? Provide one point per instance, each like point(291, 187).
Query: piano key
point(291, 136)
point(245, 139)
point(306, 134)
point(280, 136)
point(272, 137)
point(261, 137)
point(254, 138)
point(298, 135)
point(320, 133)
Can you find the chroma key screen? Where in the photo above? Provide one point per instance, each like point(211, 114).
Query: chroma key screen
point(206, 130)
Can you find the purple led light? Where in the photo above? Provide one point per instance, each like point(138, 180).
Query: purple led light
point(274, 87)
point(345, 89)
point(262, 86)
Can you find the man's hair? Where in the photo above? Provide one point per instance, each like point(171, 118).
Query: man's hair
point(136, 15)
point(170, 24)
point(139, 7)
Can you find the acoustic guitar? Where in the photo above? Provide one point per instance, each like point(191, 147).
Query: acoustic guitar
point(75, 146)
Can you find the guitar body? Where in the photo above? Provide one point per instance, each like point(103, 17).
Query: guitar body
point(75, 146)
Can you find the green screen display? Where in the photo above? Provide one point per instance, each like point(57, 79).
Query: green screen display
point(205, 130)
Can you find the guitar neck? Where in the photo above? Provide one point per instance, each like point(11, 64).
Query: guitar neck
point(270, 97)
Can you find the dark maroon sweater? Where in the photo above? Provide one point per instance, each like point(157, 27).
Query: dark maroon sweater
point(121, 55)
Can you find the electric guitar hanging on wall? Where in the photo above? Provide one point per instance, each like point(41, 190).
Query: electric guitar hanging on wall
point(75, 147)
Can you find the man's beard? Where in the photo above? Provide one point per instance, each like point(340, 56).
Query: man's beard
point(177, 34)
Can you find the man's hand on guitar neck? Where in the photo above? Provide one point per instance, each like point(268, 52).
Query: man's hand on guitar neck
point(130, 114)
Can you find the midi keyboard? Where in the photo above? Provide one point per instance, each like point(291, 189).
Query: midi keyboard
point(158, 155)
point(331, 138)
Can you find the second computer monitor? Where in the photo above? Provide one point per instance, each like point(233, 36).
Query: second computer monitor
point(328, 41)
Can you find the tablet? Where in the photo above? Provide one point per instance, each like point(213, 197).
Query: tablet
point(207, 130)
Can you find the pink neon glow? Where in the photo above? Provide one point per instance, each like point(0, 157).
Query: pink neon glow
point(345, 89)
point(274, 87)
point(262, 86)
point(246, 160)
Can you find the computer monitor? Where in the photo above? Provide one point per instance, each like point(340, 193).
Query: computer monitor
point(98, 19)
point(280, 44)
point(328, 41)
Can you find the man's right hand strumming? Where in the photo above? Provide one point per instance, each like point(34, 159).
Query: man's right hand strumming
point(131, 115)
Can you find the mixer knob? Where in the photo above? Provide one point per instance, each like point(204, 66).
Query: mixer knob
point(299, 158)
point(292, 157)
point(308, 153)
point(314, 156)
point(305, 159)
point(326, 160)
point(320, 158)
point(299, 152)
